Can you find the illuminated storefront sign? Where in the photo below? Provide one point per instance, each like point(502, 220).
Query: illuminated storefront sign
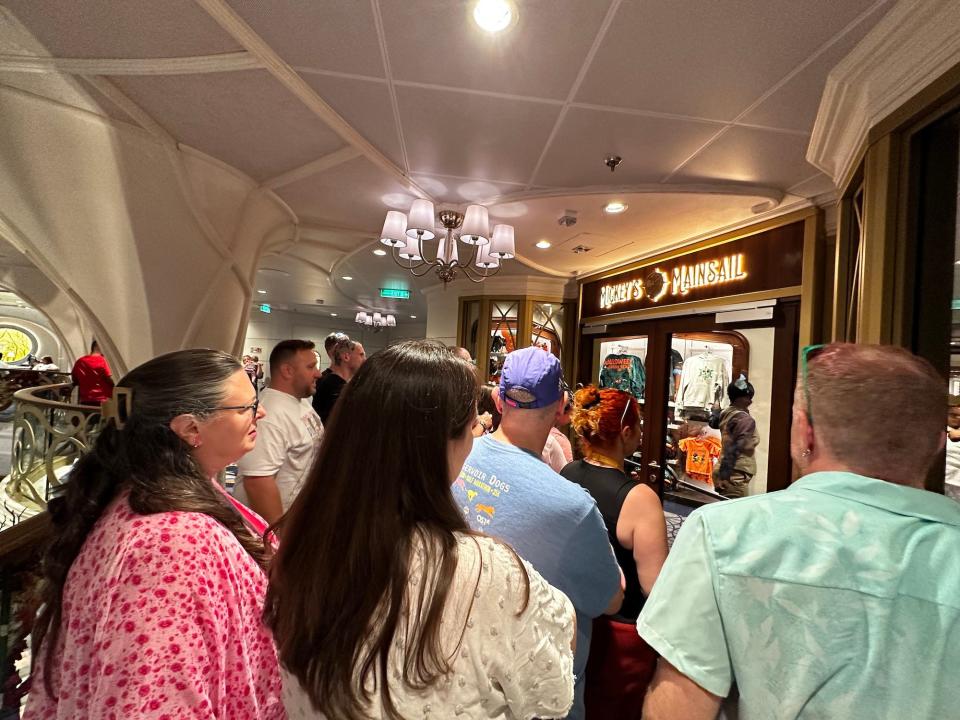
point(763, 261)
point(678, 280)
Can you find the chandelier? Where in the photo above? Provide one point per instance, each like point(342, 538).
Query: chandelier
point(408, 237)
point(375, 321)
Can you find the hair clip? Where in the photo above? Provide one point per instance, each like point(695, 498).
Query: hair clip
point(118, 407)
point(593, 402)
point(741, 382)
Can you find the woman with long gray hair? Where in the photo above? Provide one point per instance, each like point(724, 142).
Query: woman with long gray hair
point(152, 589)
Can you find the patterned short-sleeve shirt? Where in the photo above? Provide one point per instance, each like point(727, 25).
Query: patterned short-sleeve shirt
point(161, 620)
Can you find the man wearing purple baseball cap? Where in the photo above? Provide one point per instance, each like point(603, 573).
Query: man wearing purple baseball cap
point(505, 489)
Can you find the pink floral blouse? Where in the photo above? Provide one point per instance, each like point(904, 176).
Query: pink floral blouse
point(161, 620)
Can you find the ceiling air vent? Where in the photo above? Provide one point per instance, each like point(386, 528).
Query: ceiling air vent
point(580, 249)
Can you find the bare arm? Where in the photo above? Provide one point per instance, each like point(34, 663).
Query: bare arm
point(643, 529)
point(616, 602)
point(674, 696)
point(264, 496)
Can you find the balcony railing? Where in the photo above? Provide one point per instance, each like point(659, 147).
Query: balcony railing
point(49, 436)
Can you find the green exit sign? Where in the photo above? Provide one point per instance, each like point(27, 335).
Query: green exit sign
point(265, 308)
point(395, 293)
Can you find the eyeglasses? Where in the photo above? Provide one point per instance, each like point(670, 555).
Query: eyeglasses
point(253, 406)
point(806, 355)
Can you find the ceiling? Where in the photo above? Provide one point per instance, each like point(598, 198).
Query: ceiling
point(709, 104)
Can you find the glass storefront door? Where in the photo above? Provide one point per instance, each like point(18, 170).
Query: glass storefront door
point(680, 369)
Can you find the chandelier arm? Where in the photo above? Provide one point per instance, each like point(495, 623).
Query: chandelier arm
point(405, 263)
point(473, 256)
point(429, 266)
point(480, 276)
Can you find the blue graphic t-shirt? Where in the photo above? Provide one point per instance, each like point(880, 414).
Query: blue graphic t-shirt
point(552, 523)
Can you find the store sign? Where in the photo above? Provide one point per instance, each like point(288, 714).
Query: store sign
point(679, 280)
point(765, 261)
point(395, 293)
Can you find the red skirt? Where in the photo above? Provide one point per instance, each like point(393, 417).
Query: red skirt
point(619, 669)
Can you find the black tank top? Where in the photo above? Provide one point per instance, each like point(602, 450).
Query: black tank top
point(609, 488)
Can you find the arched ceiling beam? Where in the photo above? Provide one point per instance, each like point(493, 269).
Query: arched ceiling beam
point(314, 167)
point(227, 62)
point(237, 28)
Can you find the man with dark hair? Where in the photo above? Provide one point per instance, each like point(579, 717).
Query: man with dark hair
point(269, 476)
point(347, 356)
point(91, 374)
point(819, 601)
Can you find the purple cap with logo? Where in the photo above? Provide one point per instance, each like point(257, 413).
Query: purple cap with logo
point(531, 378)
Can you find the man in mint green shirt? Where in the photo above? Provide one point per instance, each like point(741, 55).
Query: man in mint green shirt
point(838, 597)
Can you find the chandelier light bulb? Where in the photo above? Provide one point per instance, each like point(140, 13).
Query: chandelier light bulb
point(492, 15)
point(502, 246)
point(476, 226)
point(394, 229)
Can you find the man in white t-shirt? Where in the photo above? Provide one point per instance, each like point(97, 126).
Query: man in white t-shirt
point(288, 436)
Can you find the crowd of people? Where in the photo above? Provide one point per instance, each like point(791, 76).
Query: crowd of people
point(403, 542)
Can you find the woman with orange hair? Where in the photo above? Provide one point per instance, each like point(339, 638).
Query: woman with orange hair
point(609, 427)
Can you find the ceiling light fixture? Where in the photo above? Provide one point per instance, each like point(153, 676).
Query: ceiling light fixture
point(614, 207)
point(492, 15)
point(413, 317)
point(407, 237)
point(333, 314)
point(543, 244)
point(346, 277)
point(262, 292)
point(375, 321)
point(379, 253)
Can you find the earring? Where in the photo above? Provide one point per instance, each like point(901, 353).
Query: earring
point(806, 453)
point(196, 444)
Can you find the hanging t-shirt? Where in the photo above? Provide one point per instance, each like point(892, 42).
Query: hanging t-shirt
point(704, 381)
point(701, 453)
point(624, 372)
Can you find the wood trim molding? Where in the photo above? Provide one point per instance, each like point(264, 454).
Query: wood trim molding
point(915, 43)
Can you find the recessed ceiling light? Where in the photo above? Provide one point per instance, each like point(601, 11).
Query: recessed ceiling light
point(262, 292)
point(333, 314)
point(379, 252)
point(346, 277)
point(413, 317)
point(614, 207)
point(543, 244)
point(492, 15)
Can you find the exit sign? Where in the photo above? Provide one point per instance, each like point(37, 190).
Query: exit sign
point(395, 293)
point(265, 308)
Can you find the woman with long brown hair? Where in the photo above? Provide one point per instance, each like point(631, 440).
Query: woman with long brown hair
point(609, 427)
point(152, 589)
point(382, 601)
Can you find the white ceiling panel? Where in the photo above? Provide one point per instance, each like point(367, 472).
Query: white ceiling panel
point(818, 184)
point(335, 35)
point(754, 156)
point(651, 223)
point(128, 29)
point(473, 136)
point(438, 42)
point(353, 195)
point(365, 105)
point(246, 119)
point(705, 58)
point(650, 147)
point(457, 192)
point(794, 105)
point(65, 89)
